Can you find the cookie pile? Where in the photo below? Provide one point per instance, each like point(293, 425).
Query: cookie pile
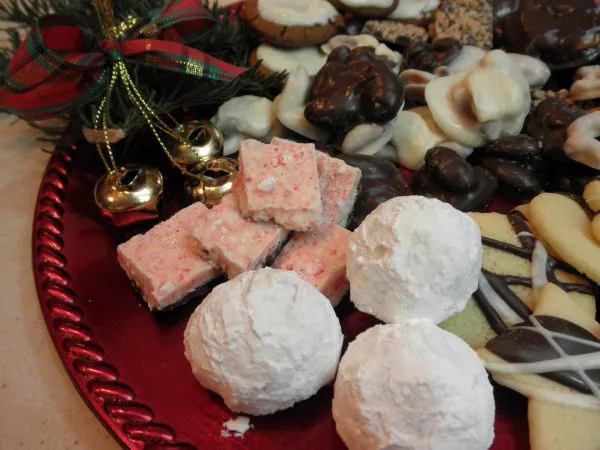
point(535, 308)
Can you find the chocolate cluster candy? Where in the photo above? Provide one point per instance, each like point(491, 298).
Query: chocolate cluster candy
point(517, 164)
point(452, 179)
point(379, 182)
point(548, 124)
point(562, 34)
point(355, 86)
point(428, 57)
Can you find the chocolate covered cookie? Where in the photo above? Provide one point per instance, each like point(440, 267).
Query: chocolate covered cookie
point(562, 34)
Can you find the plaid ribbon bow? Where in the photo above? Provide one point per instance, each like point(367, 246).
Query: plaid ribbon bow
point(55, 70)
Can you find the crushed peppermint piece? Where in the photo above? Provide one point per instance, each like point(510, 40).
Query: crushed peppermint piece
point(287, 158)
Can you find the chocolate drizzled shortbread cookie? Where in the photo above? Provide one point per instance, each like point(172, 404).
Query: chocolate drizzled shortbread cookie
point(469, 21)
point(552, 358)
point(515, 266)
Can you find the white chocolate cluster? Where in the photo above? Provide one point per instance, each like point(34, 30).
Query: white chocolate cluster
point(472, 114)
point(246, 117)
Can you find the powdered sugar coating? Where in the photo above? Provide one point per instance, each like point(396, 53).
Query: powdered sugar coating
point(414, 257)
point(264, 341)
point(413, 386)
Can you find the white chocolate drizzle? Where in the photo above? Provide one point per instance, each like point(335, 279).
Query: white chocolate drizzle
point(539, 262)
point(506, 313)
point(575, 363)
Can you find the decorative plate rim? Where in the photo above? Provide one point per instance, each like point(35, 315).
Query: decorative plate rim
point(97, 380)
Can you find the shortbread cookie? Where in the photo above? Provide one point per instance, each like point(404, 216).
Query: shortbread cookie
point(293, 23)
point(515, 266)
point(596, 227)
point(566, 226)
point(469, 21)
point(564, 396)
point(591, 195)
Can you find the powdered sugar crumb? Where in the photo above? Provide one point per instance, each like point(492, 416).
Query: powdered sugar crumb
point(239, 426)
point(267, 184)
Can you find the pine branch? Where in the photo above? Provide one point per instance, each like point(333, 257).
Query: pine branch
point(24, 13)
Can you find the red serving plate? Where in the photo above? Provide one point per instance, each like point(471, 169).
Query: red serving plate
point(128, 363)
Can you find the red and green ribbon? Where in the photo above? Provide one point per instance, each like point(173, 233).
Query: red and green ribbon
point(55, 71)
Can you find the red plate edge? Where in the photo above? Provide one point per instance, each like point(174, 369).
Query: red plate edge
point(97, 381)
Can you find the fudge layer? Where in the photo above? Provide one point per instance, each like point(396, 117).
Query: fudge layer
point(236, 244)
point(280, 183)
point(163, 264)
point(319, 257)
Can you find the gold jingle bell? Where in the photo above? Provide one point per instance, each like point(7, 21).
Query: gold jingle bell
point(213, 180)
point(202, 142)
point(129, 195)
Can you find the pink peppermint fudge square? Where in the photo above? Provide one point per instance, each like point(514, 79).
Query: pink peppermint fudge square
point(319, 257)
point(163, 264)
point(236, 244)
point(338, 183)
point(280, 183)
point(339, 187)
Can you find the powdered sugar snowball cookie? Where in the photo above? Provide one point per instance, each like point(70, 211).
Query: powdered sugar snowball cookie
point(263, 341)
point(413, 386)
point(293, 23)
point(414, 257)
